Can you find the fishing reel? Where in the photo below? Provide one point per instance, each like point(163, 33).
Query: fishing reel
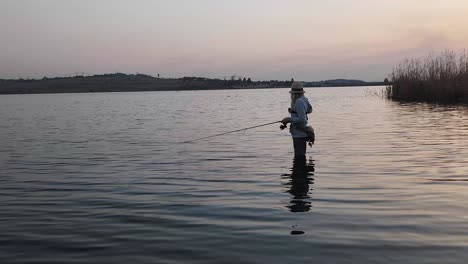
point(283, 126)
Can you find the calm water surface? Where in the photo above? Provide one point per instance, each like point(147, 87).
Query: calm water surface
point(102, 178)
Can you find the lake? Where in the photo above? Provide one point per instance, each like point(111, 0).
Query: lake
point(104, 178)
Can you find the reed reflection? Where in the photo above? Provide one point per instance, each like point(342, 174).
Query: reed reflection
point(298, 185)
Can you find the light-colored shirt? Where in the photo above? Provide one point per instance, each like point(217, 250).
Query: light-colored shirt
point(301, 108)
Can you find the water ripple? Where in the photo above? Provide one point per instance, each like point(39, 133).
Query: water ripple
point(103, 178)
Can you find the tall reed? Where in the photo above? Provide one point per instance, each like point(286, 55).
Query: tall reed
point(436, 78)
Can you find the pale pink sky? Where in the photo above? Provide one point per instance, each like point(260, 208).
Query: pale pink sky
point(261, 39)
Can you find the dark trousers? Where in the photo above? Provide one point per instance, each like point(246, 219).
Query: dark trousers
point(300, 146)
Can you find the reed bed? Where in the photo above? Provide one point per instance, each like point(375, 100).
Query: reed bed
point(439, 78)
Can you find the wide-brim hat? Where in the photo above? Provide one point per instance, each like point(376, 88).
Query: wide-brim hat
point(297, 88)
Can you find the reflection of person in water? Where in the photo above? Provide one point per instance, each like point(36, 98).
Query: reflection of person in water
point(298, 185)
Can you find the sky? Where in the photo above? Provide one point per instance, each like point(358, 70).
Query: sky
point(306, 40)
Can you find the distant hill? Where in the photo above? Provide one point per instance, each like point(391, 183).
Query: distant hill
point(341, 82)
point(120, 82)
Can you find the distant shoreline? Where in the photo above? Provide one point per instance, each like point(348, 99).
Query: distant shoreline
point(120, 82)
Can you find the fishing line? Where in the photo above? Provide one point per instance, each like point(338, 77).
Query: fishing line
point(231, 132)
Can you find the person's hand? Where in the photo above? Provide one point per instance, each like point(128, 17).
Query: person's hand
point(286, 120)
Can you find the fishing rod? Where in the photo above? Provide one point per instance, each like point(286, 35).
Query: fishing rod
point(238, 130)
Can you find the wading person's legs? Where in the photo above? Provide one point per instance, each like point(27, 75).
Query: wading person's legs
point(300, 145)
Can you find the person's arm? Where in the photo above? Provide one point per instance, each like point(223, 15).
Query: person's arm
point(310, 108)
point(301, 117)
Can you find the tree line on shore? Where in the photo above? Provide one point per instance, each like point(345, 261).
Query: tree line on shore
point(120, 82)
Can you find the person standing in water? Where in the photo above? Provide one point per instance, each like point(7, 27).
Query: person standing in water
point(300, 108)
